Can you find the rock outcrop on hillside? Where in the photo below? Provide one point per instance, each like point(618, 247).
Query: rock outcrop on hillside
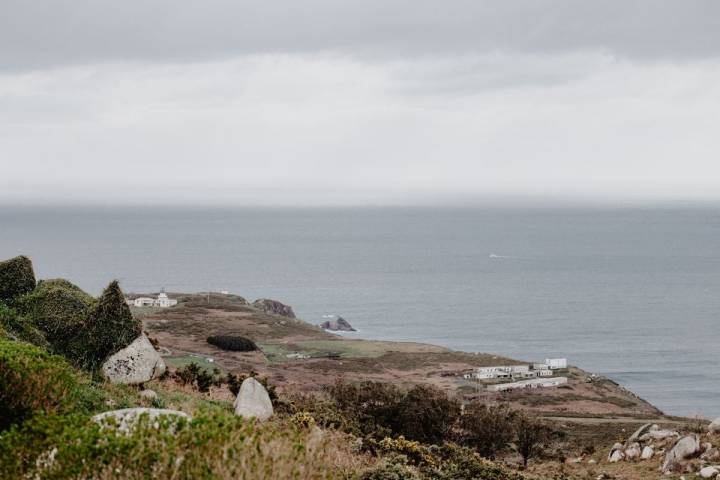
point(274, 307)
point(137, 363)
point(337, 325)
point(686, 447)
point(253, 401)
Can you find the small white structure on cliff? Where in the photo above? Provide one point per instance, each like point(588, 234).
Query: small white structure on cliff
point(161, 301)
point(534, 383)
point(556, 363)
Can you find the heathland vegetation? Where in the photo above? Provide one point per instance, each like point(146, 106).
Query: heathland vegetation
point(54, 339)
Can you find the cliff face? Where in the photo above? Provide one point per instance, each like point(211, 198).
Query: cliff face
point(273, 307)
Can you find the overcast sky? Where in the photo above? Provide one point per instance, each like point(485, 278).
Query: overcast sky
point(358, 102)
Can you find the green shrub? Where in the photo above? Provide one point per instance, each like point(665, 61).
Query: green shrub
point(17, 327)
point(211, 446)
point(110, 327)
point(453, 462)
point(234, 343)
point(59, 309)
point(32, 380)
point(487, 429)
point(426, 414)
point(373, 406)
point(422, 413)
point(16, 278)
point(390, 469)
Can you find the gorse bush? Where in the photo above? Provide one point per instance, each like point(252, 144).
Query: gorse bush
point(110, 327)
point(422, 413)
point(234, 343)
point(17, 327)
point(449, 461)
point(487, 428)
point(16, 278)
point(59, 309)
point(211, 446)
point(32, 380)
point(426, 414)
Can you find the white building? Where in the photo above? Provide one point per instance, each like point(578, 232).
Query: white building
point(161, 301)
point(556, 363)
point(533, 383)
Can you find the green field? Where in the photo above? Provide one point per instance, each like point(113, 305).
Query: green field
point(180, 362)
point(277, 352)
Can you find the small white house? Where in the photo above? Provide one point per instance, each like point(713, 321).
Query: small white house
point(161, 301)
point(144, 302)
point(556, 363)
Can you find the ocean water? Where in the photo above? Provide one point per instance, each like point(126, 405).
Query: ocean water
point(633, 294)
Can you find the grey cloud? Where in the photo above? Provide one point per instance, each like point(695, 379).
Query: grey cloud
point(36, 35)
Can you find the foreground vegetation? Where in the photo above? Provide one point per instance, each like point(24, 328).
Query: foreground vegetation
point(54, 337)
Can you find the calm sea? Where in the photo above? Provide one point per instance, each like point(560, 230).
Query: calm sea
point(633, 294)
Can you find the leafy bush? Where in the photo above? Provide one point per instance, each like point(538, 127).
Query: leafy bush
point(390, 469)
point(32, 380)
point(59, 309)
point(423, 413)
point(110, 327)
point(426, 414)
point(323, 410)
point(372, 405)
point(17, 327)
point(196, 376)
point(234, 343)
point(218, 445)
point(458, 463)
point(16, 278)
point(448, 461)
point(487, 429)
point(530, 433)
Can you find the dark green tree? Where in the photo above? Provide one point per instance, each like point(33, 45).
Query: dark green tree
point(489, 429)
point(426, 414)
point(16, 278)
point(110, 327)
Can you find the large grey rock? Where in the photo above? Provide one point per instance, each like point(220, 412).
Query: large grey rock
point(253, 401)
point(274, 307)
point(714, 425)
point(686, 447)
point(616, 456)
point(136, 363)
point(616, 453)
point(640, 432)
point(647, 452)
point(337, 325)
point(658, 435)
point(633, 451)
point(124, 420)
point(709, 472)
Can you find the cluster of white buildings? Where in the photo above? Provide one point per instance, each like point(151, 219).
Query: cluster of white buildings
point(161, 301)
point(534, 383)
point(525, 376)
